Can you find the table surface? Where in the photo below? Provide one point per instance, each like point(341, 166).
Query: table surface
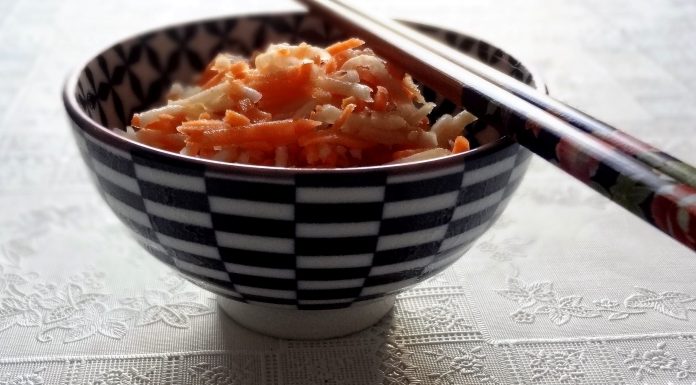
point(565, 288)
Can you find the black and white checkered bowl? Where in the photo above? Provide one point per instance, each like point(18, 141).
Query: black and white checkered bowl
point(284, 238)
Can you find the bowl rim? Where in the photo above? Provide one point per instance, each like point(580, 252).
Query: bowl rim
point(105, 134)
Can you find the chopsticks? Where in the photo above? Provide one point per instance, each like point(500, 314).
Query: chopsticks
point(649, 183)
point(633, 147)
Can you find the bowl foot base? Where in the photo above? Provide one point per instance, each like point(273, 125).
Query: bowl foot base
point(306, 324)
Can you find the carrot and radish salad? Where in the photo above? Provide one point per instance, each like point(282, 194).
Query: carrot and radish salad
point(302, 106)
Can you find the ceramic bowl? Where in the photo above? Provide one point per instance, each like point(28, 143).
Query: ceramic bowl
point(297, 253)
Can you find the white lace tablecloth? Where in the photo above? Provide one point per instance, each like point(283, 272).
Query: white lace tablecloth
point(565, 289)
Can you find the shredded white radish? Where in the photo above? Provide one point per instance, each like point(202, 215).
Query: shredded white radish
point(150, 116)
point(378, 69)
point(327, 113)
point(350, 76)
point(447, 127)
point(305, 110)
point(341, 87)
point(425, 155)
point(281, 56)
point(302, 106)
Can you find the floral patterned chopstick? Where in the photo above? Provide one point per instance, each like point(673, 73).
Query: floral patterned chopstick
point(666, 203)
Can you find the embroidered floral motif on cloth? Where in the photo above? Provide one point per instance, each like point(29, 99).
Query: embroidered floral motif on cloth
point(564, 289)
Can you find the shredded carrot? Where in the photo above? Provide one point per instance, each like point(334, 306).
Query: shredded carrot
point(214, 80)
point(202, 125)
point(194, 130)
point(252, 112)
point(331, 66)
point(207, 74)
point(156, 138)
point(327, 137)
point(381, 99)
point(461, 144)
point(278, 132)
point(341, 46)
point(341, 58)
point(345, 114)
point(298, 106)
point(239, 69)
point(234, 118)
point(284, 90)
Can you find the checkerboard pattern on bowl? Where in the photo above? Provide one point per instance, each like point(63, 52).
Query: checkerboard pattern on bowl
point(312, 240)
point(302, 239)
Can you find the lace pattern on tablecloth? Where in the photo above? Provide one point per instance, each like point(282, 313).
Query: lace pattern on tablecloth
point(380, 360)
point(565, 289)
point(436, 333)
